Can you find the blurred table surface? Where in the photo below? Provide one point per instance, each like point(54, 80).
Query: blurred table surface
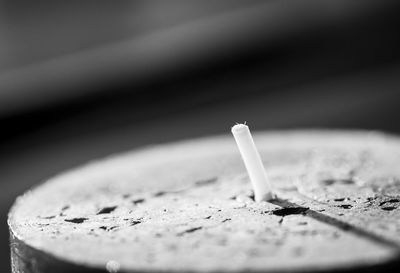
point(79, 81)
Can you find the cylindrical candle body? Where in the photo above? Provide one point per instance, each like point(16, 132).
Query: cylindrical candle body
point(187, 207)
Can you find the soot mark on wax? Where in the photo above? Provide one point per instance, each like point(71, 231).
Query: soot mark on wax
point(48, 217)
point(197, 183)
point(65, 208)
point(190, 230)
point(290, 211)
point(339, 199)
point(390, 204)
point(76, 220)
point(345, 206)
point(134, 222)
point(106, 210)
point(389, 208)
point(162, 193)
point(108, 228)
point(389, 201)
point(251, 196)
point(330, 182)
point(206, 181)
point(138, 201)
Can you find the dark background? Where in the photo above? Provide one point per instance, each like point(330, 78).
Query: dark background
point(83, 79)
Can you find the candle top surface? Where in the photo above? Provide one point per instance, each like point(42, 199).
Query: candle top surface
point(188, 206)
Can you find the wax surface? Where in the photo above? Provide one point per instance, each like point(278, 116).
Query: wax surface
point(189, 206)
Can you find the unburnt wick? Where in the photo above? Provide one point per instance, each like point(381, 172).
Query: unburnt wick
point(326, 201)
point(253, 163)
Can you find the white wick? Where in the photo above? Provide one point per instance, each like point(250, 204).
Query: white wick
point(253, 163)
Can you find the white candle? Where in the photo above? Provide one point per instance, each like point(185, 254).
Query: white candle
point(253, 163)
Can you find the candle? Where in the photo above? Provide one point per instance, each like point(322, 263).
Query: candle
point(188, 206)
point(252, 161)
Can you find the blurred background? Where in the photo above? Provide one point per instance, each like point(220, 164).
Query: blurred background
point(83, 79)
